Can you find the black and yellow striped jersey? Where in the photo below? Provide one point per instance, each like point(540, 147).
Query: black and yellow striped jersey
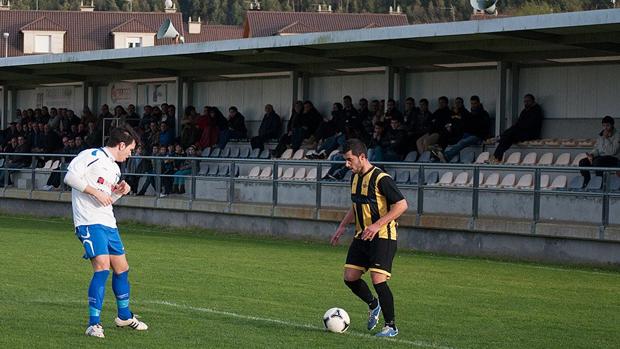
point(373, 193)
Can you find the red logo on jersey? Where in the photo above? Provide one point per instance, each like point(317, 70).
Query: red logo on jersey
point(100, 180)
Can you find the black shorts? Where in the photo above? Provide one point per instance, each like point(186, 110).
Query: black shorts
point(375, 255)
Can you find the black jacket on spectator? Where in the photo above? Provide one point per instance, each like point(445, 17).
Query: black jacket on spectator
point(51, 142)
point(271, 126)
point(477, 123)
point(423, 123)
point(397, 140)
point(310, 121)
point(529, 124)
point(237, 123)
point(439, 120)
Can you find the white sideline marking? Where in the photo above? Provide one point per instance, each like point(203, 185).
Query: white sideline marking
point(291, 324)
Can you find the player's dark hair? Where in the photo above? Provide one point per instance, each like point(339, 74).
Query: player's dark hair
point(356, 147)
point(608, 120)
point(118, 135)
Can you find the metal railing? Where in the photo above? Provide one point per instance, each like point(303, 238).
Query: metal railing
point(420, 187)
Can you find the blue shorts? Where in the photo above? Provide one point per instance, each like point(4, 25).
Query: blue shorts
point(98, 240)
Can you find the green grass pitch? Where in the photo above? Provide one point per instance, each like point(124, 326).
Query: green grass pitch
point(207, 290)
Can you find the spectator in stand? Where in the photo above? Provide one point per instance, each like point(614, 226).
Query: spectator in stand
point(166, 137)
point(93, 136)
point(410, 115)
point(438, 123)
point(309, 122)
point(291, 128)
point(157, 114)
point(476, 125)
point(207, 123)
point(606, 152)
point(104, 121)
point(51, 140)
point(190, 135)
point(16, 162)
point(54, 121)
point(167, 168)
point(378, 142)
point(235, 129)
point(351, 115)
point(270, 128)
point(133, 119)
point(528, 127)
point(147, 166)
point(87, 116)
point(397, 140)
point(189, 116)
point(392, 111)
point(183, 168)
point(169, 115)
point(331, 132)
point(366, 116)
point(137, 165)
point(121, 115)
point(147, 117)
point(79, 144)
point(150, 136)
point(36, 139)
point(45, 115)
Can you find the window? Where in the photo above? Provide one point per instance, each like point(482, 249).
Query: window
point(42, 43)
point(134, 42)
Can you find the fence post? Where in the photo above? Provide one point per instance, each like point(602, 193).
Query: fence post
point(318, 197)
point(475, 197)
point(192, 195)
point(231, 184)
point(605, 207)
point(33, 176)
point(536, 208)
point(274, 182)
point(157, 178)
point(421, 184)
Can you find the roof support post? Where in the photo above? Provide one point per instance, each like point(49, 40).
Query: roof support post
point(4, 120)
point(96, 99)
point(402, 88)
point(87, 91)
point(515, 71)
point(390, 73)
point(305, 86)
point(180, 104)
point(500, 107)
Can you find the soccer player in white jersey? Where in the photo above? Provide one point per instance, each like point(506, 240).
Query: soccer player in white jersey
point(94, 178)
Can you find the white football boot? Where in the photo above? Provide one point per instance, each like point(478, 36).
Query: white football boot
point(132, 323)
point(95, 331)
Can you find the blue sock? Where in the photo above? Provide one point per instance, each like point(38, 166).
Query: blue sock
point(120, 286)
point(96, 291)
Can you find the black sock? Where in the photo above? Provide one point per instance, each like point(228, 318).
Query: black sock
point(387, 303)
point(360, 288)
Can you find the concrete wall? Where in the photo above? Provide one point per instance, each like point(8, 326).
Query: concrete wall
point(249, 95)
point(453, 242)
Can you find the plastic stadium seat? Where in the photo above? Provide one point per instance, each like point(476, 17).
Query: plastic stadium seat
point(576, 183)
point(508, 181)
point(212, 170)
point(568, 143)
point(392, 174)
point(432, 178)
point(461, 179)
point(311, 175)
point(254, 154)
point(287, 155)
point(254, 172)
point(470, 183)
point(563, 160)
point(525, 182)
point(1, 162)
point(492, 180)
point(46, 167)
point(348, 176)
point(244, 152)
point(578, 158)
point(266, 172)
point(468, 157)
point(206, 152)
point(425, 157)
point(402, 177)
point(456, 159)
point(324, 172)
point(544, 181)
point(536, 142)
point(595, 184)
point(333, 153)
point(559, 182)
point(234, 152)
point(223, 170)
point(288, 174)
point(413, 178)
point(300, 174)
point(411, 157)
point(55, 165)
point(215, 153)
point(513, 159)
point(446, 179)
point(586, 142)
point(614, 183)
point(299, 154)
point(553, 142)
point(529, 159)
point(265, 154)
point(546, 159)
point(483, 158)
point(225, 153)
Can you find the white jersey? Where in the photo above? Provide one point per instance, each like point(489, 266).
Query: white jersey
point(98, 169)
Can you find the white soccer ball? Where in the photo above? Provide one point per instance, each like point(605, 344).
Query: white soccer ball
point(336, 320)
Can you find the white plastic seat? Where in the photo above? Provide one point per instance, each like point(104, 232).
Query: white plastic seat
point(578, 158)
point(266, 172)
point(546, 159)
point(300, 174)
point(287, 155)
point(526, 181)
point(544, 181)
point(492, 180)
point(513, 159)
point(470, 183)
point(299, 154)
point(55, 165)
point(223, 170)
point(254, 153)
point(213, 170)
point(563, 160)
point(324, 172)
point(333, 153)
point(311, 175)
point(244, 152)
point(280, 170)
point(461, 179)
point(46, 167)
point(288, 174)
point(265, 154)
point(483, 158)
point(508, 181)
point(234, 152)
point(559, 182)
point(215, 153)
point(402, 176)
point(254, 172)
point(530, 159)
point(446, 179)
point(225, 153)
point(206, 152)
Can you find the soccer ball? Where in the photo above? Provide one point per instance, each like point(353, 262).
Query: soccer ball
point(336, 320)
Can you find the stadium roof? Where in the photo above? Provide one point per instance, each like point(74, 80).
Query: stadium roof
point(577, 37)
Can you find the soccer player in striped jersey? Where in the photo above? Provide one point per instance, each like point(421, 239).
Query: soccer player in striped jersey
point(377, 203)
point(94, 178)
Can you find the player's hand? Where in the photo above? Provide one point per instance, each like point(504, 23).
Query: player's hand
point(336, 237)
point(121, 188)
point(103, 198)
point(370, 232)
